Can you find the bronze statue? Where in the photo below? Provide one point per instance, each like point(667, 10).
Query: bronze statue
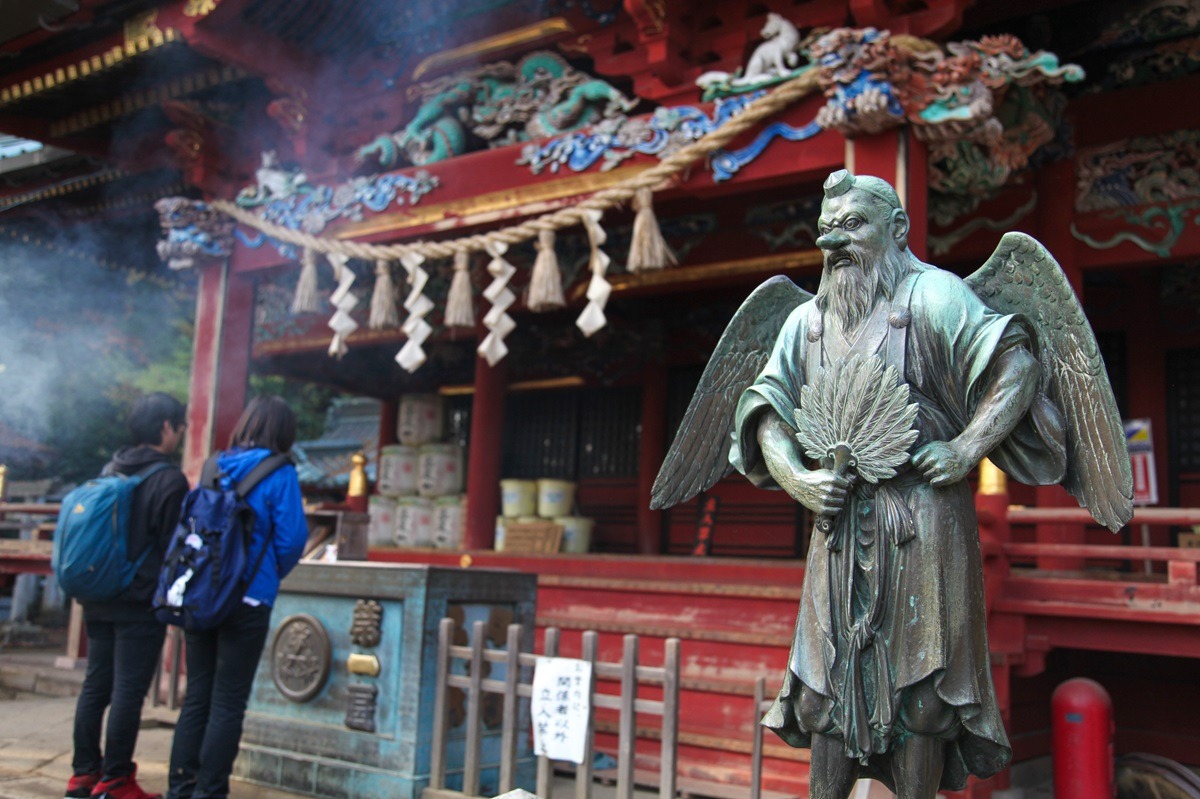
point(869, 404)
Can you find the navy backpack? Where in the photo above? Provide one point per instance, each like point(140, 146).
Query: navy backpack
point(91, 541)
point(207, 568)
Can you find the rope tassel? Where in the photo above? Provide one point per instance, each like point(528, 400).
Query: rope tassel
point(460, 312)
point(306, 299)
point(545, 285)
point(383, 299)
point(647, 249)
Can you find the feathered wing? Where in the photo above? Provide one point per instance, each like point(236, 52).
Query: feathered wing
point(699, 455)
point(1022, 277)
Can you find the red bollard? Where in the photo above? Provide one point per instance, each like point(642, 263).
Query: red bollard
point(1082, 740)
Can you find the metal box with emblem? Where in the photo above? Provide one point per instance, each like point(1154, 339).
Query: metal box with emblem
point(343, 699)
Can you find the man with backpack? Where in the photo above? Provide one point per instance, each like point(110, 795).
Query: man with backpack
point(124, 637)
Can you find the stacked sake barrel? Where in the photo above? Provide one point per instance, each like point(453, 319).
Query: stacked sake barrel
point(419, 500)
point(546, 499)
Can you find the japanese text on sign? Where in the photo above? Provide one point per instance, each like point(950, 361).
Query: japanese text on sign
point(561, 708)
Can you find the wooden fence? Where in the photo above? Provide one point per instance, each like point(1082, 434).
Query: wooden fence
point(517, 685)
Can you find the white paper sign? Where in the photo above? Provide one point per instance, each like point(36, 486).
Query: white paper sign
point(561, 708)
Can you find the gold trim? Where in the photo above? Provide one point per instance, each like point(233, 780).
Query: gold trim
point(694, 274)
point(366, 665)
point(200, 8)
point(485, 47)
point(181, 86)
point(488, 207)
point(521, 385)
point(992, 481)
point(115, 55)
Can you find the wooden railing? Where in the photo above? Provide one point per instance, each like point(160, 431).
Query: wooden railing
point(517, 685)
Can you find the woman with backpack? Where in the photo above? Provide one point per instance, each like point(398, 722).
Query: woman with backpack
point(221, 662)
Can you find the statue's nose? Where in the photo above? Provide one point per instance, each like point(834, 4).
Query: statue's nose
point(833, 240)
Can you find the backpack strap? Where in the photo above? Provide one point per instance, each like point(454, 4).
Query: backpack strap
point(264, 468)
point(210, 472)
point(153, 468)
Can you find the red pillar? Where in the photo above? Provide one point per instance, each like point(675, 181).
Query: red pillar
point(1055, 211)
point(220, 363)
point(650, 456)
point(900, 159)
point(483, 464)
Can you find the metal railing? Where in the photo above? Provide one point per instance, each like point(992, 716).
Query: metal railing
point(517, 686)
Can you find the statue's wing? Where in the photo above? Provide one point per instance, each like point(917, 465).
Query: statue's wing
point(699, 456)
point(1023, 277)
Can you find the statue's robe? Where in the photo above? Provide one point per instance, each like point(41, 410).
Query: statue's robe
point(900, 598)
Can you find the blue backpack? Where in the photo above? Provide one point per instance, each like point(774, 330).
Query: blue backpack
point(207, 570)
point(91, 540)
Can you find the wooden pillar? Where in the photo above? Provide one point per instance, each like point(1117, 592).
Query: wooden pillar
point(484, 461)
point(1055, 211)
point(388, 411)
point(220, 363)
point(900, 159)
point(650, 457)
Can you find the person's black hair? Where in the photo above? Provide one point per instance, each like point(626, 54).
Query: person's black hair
point(148, 414)
point(267, 422)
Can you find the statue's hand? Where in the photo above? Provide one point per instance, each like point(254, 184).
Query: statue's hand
point(942, 462)
point(821, 490)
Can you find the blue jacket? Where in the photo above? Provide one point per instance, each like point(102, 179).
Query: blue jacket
point(277, 498)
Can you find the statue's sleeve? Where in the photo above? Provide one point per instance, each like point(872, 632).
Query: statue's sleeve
point(777, 387)
point(957, 341)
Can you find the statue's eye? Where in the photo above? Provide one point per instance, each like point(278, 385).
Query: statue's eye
point(852, 223)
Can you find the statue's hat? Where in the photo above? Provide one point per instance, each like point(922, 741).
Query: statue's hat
point(842, 181)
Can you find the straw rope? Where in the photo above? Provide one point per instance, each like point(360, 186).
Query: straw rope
point(654, 177)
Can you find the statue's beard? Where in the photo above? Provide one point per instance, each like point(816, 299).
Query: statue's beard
point(849, 291)
point(853, 290)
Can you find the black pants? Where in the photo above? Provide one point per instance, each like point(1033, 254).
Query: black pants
point(122, 657)
point(220, 670)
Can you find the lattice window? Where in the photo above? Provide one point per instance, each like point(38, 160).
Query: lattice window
point(610, 431)
point(1183, 410)
point(458, 423)
point(541, 431)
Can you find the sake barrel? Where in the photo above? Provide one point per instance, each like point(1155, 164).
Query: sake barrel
point(381, 521)
point(414, 522)
point(397, 471)
point(577, 534)
point(518, 497)
point(419, 419)
point(439, 470)
point(554, 498)
point(449, 517)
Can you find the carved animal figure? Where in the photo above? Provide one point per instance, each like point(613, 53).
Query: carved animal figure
point(272, 182)
point(498, 104)
point(777, 53)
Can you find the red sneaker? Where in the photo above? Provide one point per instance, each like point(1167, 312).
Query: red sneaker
point(122, 788)
point(80, 786)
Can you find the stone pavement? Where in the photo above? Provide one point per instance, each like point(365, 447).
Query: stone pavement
point(35, 748)
point(37, 713)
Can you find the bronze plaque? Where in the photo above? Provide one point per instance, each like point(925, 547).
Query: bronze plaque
point(366, 626)
point(301, 657)
point(360, 710)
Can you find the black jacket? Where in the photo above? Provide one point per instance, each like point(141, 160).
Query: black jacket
point(152, 520)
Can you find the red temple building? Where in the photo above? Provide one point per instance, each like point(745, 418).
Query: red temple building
point(336, 175)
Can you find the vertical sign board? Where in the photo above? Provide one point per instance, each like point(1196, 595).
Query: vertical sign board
point(1141, 454)
point(561, 707)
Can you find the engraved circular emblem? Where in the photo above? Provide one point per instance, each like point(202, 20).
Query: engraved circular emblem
point(301, 657)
